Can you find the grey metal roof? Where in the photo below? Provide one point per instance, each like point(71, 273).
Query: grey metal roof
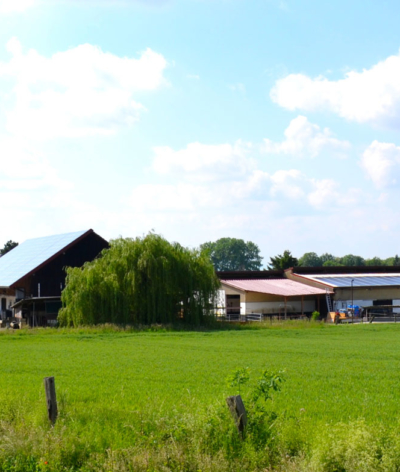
point(32, 253)
point(360, 280)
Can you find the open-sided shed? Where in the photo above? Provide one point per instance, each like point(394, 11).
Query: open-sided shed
point(270, 296)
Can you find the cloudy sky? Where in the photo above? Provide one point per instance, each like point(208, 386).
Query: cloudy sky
point(275, 121)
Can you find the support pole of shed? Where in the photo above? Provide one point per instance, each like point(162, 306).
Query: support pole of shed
point(302, 305)
point(285, 309)
point(319, 304)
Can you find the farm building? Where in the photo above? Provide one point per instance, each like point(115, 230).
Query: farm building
point(362, 286)
point(271, 292)
point(33, 273)
point(268, 293)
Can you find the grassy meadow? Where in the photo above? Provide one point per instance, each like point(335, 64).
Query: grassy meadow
point(154, 399)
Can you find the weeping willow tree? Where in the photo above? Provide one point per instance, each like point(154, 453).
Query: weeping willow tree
point(140, 281)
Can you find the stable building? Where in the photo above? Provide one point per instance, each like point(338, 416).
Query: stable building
point(35, 272)
point(360, 286)
point(268, 293)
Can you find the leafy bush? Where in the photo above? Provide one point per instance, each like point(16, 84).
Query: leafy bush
point(260, 418)
point(315, 315)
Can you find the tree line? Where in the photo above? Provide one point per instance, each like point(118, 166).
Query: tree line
point(311, 259)
point(231, 254)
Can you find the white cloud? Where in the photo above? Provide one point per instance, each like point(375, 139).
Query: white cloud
point(298, 190)
point(79, 92)
point(210, 178)
point(193, 197)
point(306, 139)
point(324, 193)
point(24, 169)
point(166, 197)
point(32, 194)
point(202, 177)
point(255, 206)
point(381, 161)
point(328, 194)
point(9, 6)
point(205, 162)
point(372, 95)
point(288, 184)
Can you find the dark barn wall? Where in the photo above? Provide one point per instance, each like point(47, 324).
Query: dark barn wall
point(51, 276)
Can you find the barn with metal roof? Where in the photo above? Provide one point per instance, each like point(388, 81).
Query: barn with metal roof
point(360, 286)
point(35, 271)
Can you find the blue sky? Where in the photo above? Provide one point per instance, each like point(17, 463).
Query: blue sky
point(274, 121)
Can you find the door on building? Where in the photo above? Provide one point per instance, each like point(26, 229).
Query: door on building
point(233, 304)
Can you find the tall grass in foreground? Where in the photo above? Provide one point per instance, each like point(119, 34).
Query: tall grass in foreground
point(154, 399)
point(206, 442)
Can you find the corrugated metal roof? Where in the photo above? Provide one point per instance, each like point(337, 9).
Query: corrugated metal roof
point(360, 280)
point(30, 254)
point(281, 287)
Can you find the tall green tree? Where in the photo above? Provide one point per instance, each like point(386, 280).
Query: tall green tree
point(310, 259)
point(351, 260)
point(392, 261)
point(375, 261)
point(233, 254)
point(283, 261)
point(327, 257)
point(143, 280)
point(332, 263)
point(7, 247)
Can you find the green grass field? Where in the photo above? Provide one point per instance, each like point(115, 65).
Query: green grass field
point(155, 400)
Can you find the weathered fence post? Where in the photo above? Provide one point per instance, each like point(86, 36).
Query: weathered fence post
point(51, 400)
point(238, 411)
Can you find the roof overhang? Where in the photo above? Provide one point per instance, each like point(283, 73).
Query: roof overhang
point(278, 287)
point(32, 300)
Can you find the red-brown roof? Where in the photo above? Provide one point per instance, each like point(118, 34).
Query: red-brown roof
point(281, 287)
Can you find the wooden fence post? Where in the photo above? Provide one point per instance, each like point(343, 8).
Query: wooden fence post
point(238, 411)
point(51, 400)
